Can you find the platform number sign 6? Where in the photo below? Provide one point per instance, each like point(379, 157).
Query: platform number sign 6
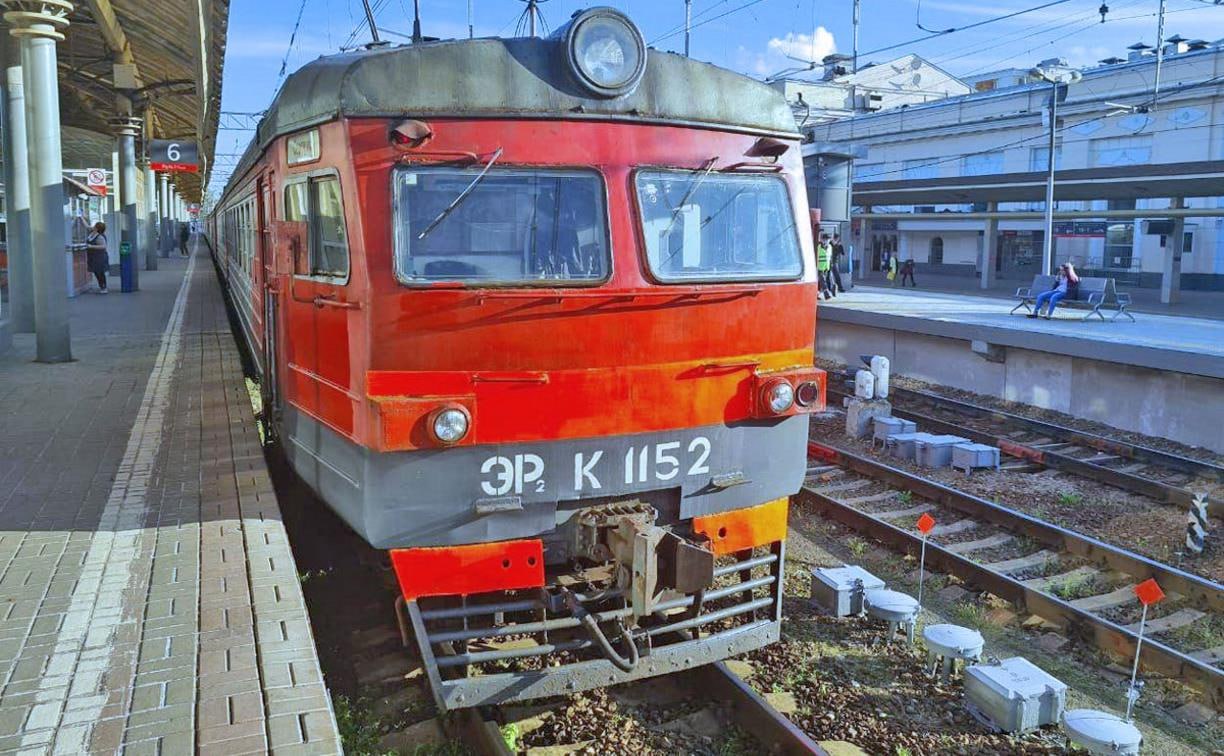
point(173, 155)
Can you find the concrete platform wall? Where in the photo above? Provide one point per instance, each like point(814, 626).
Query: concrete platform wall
point(1178, 406)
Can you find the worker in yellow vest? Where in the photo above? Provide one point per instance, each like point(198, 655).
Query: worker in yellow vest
point(824, 263)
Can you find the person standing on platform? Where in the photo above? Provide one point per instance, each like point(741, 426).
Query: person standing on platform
point(907, 271)
point(95, 254)
point(1064, 286)
point(891, 267)
point(184, 235)
point(824, 259)
point(839, 251)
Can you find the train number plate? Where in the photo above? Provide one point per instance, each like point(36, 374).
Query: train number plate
point(638, 466)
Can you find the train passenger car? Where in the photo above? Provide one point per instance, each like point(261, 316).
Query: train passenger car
point(537, 317)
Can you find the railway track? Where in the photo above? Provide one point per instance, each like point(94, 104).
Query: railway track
point(1077, 582)
point(1157, 474)
point(481, 729)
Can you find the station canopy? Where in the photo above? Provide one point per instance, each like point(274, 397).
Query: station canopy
point(163, 55)
point(1191, 179)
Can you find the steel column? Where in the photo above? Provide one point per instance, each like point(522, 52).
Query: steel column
point(1171, 265)
point(1047, 249)
point(150, 218)
point(17, 194)
point(163, 239)
point(990, 246)
point(37, 25)
point(126, 136)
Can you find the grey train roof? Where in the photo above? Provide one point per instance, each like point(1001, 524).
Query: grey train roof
point(502, 78)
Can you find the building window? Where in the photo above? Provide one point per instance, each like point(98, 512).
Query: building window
point(1039, 159)
point(936, 255)
point(923, 168)
point(868, 171)
point(1126, 150)
point(316, 203)
point(982, 164)
point(986, 85)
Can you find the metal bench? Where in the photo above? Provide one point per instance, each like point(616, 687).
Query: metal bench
point(1093, 294)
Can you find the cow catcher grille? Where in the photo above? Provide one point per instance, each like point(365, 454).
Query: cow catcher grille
point(577, 634)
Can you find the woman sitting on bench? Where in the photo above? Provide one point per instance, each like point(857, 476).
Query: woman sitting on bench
point(1064, 286)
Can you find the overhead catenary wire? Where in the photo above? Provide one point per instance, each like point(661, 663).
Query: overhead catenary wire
point(1071, 33)
point(292, 39)
point(966, 27)
point(712, 19)
point(1026, 33)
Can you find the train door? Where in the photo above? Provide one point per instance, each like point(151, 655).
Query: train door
point(268, 290)
point(317, 310)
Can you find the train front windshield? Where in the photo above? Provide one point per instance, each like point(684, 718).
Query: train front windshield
point(703, 226)
point(507, 226)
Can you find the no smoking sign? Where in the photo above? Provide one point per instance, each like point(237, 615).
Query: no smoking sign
point(95, 178)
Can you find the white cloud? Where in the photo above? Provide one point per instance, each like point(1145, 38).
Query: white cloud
point(780, 52)
point(805, 46)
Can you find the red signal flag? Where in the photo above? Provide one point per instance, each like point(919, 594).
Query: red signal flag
point(925, 523)
point(1149, 592)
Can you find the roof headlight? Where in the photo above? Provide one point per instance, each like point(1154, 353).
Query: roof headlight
point(450, 425)
point(606, 51)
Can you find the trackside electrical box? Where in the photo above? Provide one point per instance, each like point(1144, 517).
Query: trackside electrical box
point(969, 456)
point(936, 451)
point(902, 445)
point(838, 591)
point(1014, 695)
point(886, 427)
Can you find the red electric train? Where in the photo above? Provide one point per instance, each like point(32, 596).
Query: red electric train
point(537, 316)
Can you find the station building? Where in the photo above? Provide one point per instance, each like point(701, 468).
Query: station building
point(932, 178)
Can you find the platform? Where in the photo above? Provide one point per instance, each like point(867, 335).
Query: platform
point(1152, 376)
point(149, 601)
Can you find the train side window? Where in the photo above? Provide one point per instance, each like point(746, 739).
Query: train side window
point(329, 242)
point(316, 203)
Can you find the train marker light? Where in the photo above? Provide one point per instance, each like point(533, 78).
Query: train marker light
point(779, 397)
point(411, 133)
point(605, 51)
point(807, 394)
point(450, 425)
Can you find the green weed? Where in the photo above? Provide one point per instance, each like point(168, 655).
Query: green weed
point(1070, 498)
point(738, 743)
point(970, 615)
point(857, 546)
point(359, 730)
point(906, 497)
point(510, 734)
point(1073, 588)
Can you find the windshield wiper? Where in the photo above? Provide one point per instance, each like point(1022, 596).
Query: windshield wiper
point(462, 196)
point(705, 171)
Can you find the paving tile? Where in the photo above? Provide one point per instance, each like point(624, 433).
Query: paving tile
point(139, 514)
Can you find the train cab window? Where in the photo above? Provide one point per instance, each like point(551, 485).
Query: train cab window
point(701, 226)
point(509, 226)
point(317, 204)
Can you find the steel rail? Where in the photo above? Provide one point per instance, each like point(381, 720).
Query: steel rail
point(1155, 657)
point(751, 711)
point(1103, 444)
point(1154, 489)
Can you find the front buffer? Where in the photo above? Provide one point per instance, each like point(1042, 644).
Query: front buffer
point(637, 599)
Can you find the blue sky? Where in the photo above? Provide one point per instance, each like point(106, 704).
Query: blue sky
point(754, 37)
